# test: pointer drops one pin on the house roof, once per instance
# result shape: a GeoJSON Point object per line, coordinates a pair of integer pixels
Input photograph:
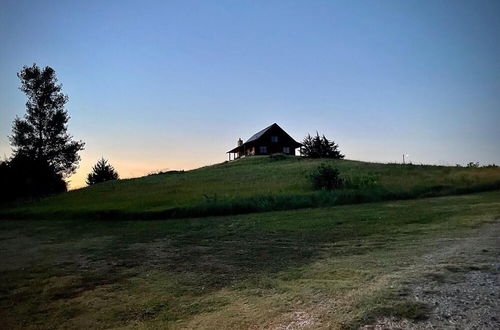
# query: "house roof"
{"type": "Point", "coordinates": [259, 134]}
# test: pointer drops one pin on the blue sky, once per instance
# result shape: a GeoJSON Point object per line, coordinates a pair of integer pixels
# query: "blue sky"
{"type": "Point", "coordinates": [157, 85]}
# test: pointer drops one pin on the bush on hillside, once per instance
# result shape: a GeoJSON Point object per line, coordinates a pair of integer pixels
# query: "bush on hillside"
{"type": "Point", "coordinates": [320, 147]}
{"type": "Point", "coordinates": [101, 172]}
{"type": "Point", "coordinates": [326, 177]}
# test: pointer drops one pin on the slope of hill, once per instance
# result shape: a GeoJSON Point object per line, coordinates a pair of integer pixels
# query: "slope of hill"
{"type": "Point", "coordinates": [255, 184]}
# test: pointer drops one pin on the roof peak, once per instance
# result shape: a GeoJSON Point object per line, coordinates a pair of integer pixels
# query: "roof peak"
{"type": "Point", "coordinates": [261, 132]}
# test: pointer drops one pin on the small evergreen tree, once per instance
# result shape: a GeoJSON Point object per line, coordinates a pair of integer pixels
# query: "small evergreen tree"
{"type": "Point", "coordinates": [102, 171]}
{"type": "Point", "coordinates": [320, 147]}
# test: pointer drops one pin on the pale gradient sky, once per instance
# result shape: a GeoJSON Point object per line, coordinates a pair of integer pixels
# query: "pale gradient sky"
{"type": "Point", "coordinates": [157, 85]}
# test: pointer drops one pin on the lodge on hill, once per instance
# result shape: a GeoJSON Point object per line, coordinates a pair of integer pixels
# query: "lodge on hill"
{"type": "Point", "coordinates": [272, 139]}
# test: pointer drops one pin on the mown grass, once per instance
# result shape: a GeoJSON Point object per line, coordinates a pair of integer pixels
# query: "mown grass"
{"type": "Point", "coordinates": [323, 267]}
{"type": "Point", "coordinates": [254, 184]}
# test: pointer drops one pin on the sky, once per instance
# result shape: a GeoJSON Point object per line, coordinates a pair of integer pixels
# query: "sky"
{"type": "Point", "coordinates": [163, 85]}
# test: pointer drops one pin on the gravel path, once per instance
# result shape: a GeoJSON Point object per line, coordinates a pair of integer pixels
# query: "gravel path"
{"type": "Point", "coordinates": [461, 283]}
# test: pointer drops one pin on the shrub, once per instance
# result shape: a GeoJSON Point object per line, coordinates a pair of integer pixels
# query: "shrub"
{"type": "Point", "coordinates": [473, 165]}
{"type": "Point", "coordinates": [165, 172]}
{"type": "Point", "coordinates": [320, 147]}
{"type": "Point", "coordinates": [326, 177]}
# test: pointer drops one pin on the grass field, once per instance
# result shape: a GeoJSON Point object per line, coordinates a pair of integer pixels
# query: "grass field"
{"type": "Point", "coordinates": [254, 184]}
{"type": "Point", "coordinates": [334, 267]}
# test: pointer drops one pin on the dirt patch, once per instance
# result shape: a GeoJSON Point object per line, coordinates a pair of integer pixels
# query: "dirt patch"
{"type": "Point", "coordinates": [298, 320]}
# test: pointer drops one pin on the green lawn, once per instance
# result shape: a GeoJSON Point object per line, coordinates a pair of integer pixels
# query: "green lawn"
{"type": "Point", "coordinates": [328, 267]}
{"type": "Point", "coordinates": [257, 184]}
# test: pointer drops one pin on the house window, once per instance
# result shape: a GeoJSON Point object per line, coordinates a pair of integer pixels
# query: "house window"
{"type": "Point", "coordinates": [274, 139]}
{"type": "Point", "coordinates": [286, 150]}
{"type": "Point", "coordinates": [263, 150]}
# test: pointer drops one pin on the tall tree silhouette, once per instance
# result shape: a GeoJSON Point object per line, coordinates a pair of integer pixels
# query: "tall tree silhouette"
{"type": "Point", "coordinates": [102, 171]}
{"type": "Point", "coordinates": [41, 134]}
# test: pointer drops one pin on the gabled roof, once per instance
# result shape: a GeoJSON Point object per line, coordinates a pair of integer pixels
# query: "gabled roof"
{"type": "Point", "coordinates": [259, 134]}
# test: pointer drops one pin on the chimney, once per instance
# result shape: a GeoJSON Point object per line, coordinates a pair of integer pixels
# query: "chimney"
{"type": "Point", "coordinates": [240, 142]}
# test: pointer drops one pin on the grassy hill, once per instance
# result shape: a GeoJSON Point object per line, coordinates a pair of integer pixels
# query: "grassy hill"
{"type": "Point", "coordinates": [255, 184]}
{"type": "Point", "coordinates": [328, 267]}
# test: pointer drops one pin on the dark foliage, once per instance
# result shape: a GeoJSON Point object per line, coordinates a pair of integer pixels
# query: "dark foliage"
{"type": "Point", "coordinates": [326, 177]}
{"type": "Point", "coordinates": [473, 165]}
{"type": "Point", "coordinates": [23, 178]}
{"type": "Point", "coordinates": [42, 135]}
{"type": "Point", "coordinates": [171, 172]}
{"type": "Point", "coordinates": [320, 147]}
{"type": "Point", "coordinates": [102, 171]}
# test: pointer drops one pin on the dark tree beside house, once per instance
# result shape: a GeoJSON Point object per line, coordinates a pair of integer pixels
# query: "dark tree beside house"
{"type": "Point", "coordinates": [320, 147]}
{"type": "Point", "coordinates": [42, 134]}
{"type": "Point", "coordinates": [102, 171]}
